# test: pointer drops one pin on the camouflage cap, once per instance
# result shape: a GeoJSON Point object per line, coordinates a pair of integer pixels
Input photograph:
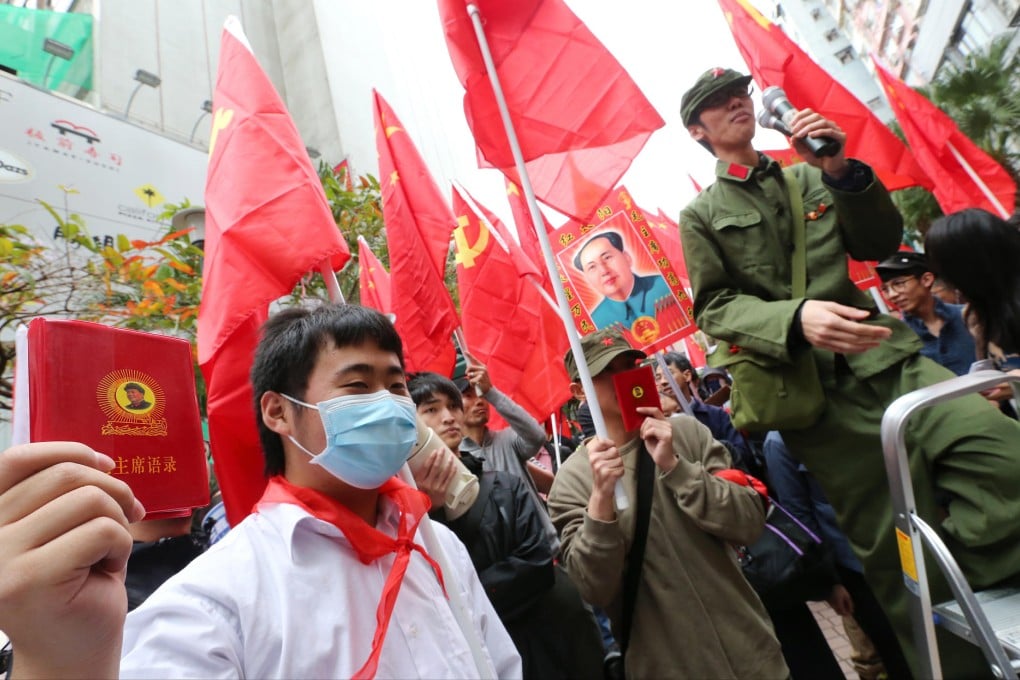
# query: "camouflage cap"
{"type": "Point", "coordinates": [710, 82]}
{"type": "Point", "coordinates": [600, 348]}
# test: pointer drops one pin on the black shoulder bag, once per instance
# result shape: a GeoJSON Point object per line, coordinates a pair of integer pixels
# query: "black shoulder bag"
{"type": "Point", "coordinates": [645, 479]}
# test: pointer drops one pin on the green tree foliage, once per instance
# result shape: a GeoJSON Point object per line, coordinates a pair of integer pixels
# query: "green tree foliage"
{"type": "Point", "coordinates": [980, 96]}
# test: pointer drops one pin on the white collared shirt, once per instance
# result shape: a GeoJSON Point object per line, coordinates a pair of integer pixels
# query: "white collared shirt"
{"type": "Point", "coordinates": [283, 595]}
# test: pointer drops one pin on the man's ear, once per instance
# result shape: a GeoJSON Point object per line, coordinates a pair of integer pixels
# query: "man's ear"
{"type": "Point", "coordinates": [696, 131]}
{"type": "Point", "coordinates": [927, 280]}
{"type": "Point", "coordinates": [277, 413]}
{"type": "Point", "coordinates": [577, 391]}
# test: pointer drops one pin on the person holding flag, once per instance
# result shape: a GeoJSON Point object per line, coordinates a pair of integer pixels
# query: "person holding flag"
{"type": "Point", "coordinates": [510, 449]}
{"type": "Point", "coordinates": [738, 236]}
{"type": "Point", "coordinates": [689, 612]}
{"type": "Point", "coordinates": [333, 526]}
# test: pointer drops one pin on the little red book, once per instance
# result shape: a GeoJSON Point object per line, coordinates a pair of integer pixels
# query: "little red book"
{"type": "Point", "coordinates": [125, 393]}
{"type": "Point", "coordinates": [635, 388]}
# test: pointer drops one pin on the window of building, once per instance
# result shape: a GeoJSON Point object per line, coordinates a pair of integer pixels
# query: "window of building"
{"type": "Point", "coordinates": [832, 34]}
{"type": "Point", "coordinates": [846, 55]}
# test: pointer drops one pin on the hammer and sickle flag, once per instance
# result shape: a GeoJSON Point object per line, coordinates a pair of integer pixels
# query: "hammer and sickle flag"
{"type": "Point", "coordinates": [268, 223]}
{"type": "Point", "coordinates": [507, 322]}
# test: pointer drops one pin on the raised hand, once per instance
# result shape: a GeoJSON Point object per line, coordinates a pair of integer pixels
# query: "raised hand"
{"type": "Point", "coordinates": [64, 546]}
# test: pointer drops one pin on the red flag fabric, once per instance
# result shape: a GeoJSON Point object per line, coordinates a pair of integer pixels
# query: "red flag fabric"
{"type": "Point", "coordinates": [579, 116]}
{"type": "Point", "coordinates": [343, 170]}
{"type": "Point", "coordinates": [418, 228]}
{"type": "Point", "coordinates": [774, 59]}
{"type": "Point", "coordinates": [268, 223]}
{"type": "Point", "coordinates": [934, 137]}
{"type": "Point", "coordinates": [785, 157]}
{"type": "Point", "coordinates": [695, 352]}
{"type": "Point", "coordinates": [694, 182]}
{"type": "Point", "coordinates": [669, 238]}
{"type": "Point", "coordinates": [508, 325]}
{"type": "Point", "coordinates": [373, 279]}
{"type": "Point", "coordinates": [863, 274]}
{"type": "Point", "coordinates": [526, 233]}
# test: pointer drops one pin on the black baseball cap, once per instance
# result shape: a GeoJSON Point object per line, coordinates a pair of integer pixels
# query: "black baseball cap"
{"type": "Point", "coordinates": [903, 262]}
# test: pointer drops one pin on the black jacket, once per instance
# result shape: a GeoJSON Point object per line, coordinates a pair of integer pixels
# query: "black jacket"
{"type": "Point", "coordinates": [505, 538]}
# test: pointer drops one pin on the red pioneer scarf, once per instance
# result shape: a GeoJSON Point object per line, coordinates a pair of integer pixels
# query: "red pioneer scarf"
{"type": "Point", "coordinates": [368, 542]}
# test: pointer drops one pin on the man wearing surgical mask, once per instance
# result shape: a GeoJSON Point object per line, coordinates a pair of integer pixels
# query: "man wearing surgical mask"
{"type": "Point", "coordinates": [327, 578]}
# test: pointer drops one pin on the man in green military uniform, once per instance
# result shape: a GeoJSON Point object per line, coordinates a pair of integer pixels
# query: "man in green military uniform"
{"type": "Point", "coordinates": [737, 238]}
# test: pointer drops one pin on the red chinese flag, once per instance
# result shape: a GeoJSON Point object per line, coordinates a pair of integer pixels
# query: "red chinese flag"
{"type": "Point", "coordinates": [774, 59]}
{"type": "Point", "coordinates": [373, 279]}
{"type": "Point", "coordinates": [508, 325]}
{"type": "Point", "coordinates": [418, 228]}
{"type": "Point", "coordinates": [579, 116]}
{"type": "Point", "coordinates": [945, 153]}
{"type": "Point", "coordinates": [267, 224]}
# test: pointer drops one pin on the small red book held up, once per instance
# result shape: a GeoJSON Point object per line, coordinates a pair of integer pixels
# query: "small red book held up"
{"type": "Point", "coordinates": [125, 393]}
{"type": "Point", "coordinates": [635, 388]}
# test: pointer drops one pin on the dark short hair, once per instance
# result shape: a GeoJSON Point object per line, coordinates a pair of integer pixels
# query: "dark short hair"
{"type": "Point", "coordinates": [290, 345]}
{"type": "Point", "coordinates": [611, 236]}
{"type": "Point", "coordinates": [678, 361]}
{"type": "Point", "coordinates": [134, 386]}
{"type": "Point", "coordinates": [425, 384]}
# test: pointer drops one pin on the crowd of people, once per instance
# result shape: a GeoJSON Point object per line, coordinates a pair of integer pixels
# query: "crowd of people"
{"type": "Point", "coordinates": [344, 570]}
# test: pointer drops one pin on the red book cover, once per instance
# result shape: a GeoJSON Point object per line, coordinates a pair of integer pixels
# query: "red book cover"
{"type": "Point", "coordinates": [125, 393]}
{"type": "Point", "coordinates": [635, 388]}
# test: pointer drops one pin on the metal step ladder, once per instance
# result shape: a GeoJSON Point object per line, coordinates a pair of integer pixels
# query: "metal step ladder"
{"type": "Point", "coordinates": [990, 619]}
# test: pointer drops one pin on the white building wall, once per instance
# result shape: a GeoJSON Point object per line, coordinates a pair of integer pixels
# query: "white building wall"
{"type": "Point", "coordinates": [808, 23]}
{"type": "Point", "coordinates": [179, 40]}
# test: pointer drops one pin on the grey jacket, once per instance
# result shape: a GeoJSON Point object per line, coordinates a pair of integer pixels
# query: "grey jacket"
{"type": "Point", "coordinates": [509, 449]}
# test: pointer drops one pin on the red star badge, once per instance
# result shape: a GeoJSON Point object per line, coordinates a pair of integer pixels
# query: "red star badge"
{"type": "Point", "coordinates": [716, 72]}
{"type": "Point", "coordinates": [608, 342]}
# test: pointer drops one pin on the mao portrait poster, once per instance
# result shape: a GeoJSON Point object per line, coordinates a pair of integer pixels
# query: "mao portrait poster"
{"type": "Point", "coordinates": [125, 393]}
{"type": "Point", "coordinates": [615, 273]}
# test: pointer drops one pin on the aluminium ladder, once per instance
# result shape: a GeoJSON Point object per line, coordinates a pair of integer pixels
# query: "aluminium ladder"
{"type": "Point", "coordinates": [989, 619]}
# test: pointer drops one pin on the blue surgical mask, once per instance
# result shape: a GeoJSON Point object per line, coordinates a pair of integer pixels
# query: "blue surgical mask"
{"type": "Point", "coordinates": [368, 436]}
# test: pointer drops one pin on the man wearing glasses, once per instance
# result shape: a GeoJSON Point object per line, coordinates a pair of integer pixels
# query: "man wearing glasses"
{"type": "Point", "coordinates": [910, 285]}
{"type": "Point", "coordinates": [738, 240]}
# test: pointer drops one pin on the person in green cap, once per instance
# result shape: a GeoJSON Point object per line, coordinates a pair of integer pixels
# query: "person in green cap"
{"type": "Point", "coordinates": [694, 615]}
{"type": "Point", "coordinates": [737, 237]}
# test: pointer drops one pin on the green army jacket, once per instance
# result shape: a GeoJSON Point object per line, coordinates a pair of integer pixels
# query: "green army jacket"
{"type": "Point", "coordinates": [737, 240]}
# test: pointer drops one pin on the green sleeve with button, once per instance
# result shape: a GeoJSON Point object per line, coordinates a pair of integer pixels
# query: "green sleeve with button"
{"type": "Point", "coordinates": [738, 242]}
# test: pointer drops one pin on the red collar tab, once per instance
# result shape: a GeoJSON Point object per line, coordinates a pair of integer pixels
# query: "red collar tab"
{"type": "Point", "coordinates": [739, 171]}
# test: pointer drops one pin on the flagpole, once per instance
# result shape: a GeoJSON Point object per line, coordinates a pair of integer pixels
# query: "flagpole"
{"type": "Point", "coordinates": [622, 502]}
{"type": "Point", "coordinates": [458, 337]}
{"type": "Point", "coordinates": [336, 296]}
{"type": "Point", "coordinates": [556, 439]}
{"type": "Point", "coordinates": [992, 198]}
{"type": "Point", "coordinates": [452, 581]}
{"type": "Point", "coordinates": [877, 297]}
